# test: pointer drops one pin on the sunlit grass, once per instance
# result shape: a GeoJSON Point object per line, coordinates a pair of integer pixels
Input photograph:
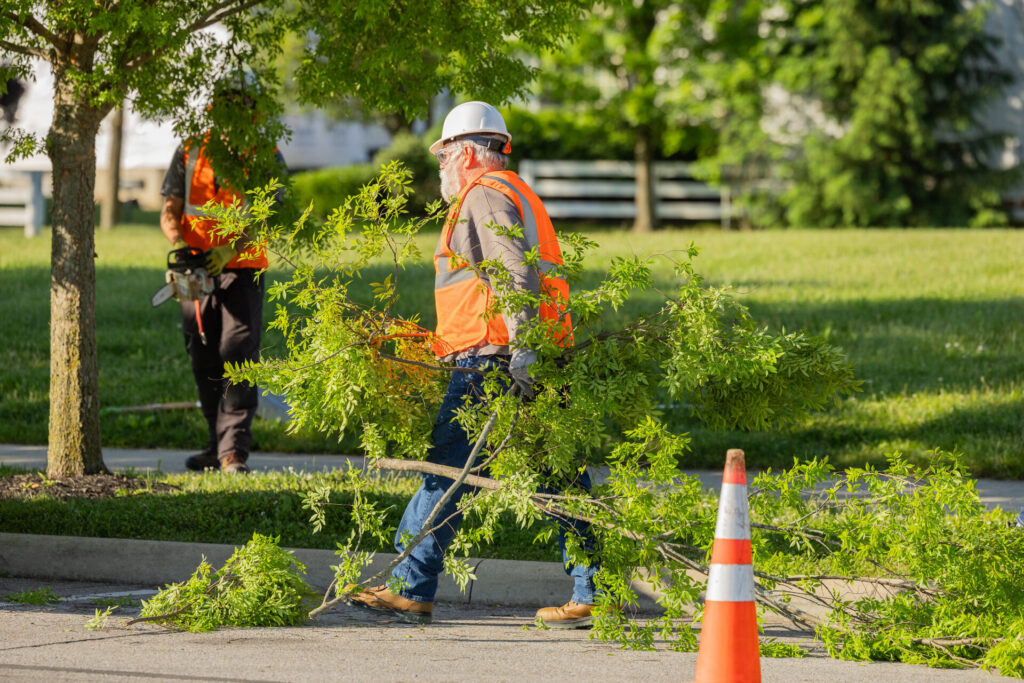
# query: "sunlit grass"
{"type": "Point", "coordinates": [931, 320]}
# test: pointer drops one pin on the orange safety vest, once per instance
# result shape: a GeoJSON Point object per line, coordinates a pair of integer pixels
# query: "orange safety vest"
{"type": "Point", "coordinates": [462, 298]}
{"type": "Point", "coordinates": [196, 228]}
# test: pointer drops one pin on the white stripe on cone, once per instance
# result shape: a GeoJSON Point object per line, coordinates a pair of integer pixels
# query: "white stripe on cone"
{"type": "Point", "coordinates": [733, 518]}
{"type": "Point", "coordinates": [730, 583]}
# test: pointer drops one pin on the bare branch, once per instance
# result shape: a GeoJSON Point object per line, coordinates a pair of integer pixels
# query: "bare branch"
{"type": "Point", "coordinates": [428, 366]}
{"type": "Point", "coordinates": [504, 443]}
{"type": "Point", "coordinates": [494, 485]}
{"type": "Point", "coordinates": [24, 50]}
{"type": "Point", "coordinates": [428, 524]}
{"type": "Point", "coordinates": [37, 27]}
{"type": "Point", "coordinates": [440, 470]}
{"type": "Point", "coordinates": [954, 642]}
{"type": "Point", "coordinates": [214, 15]}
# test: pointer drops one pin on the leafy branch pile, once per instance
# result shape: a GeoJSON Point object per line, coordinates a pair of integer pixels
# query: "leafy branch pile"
{"type": "Point", "coordinates": [260, 585]}
{"type": "Point", "coordinates": [352, 361]}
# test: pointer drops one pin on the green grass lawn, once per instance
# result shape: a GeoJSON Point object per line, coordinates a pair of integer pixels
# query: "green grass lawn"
{"type": "Point", "coordinates": [930, 319]}
{"type": "Point", "coordinates": [219, 508]}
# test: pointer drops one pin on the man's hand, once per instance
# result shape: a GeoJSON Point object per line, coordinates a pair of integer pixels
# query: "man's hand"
{"type": "Point", "coordinates": [218, 257]}
{"type": "Point", "coordinates": [519, 368]}
{"type": "Point", "coordinates": [178, 244]}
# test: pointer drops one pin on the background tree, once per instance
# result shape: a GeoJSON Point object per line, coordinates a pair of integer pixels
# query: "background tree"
{"type": "Point", "coordinates": [159, 57]}
{"type": "Point", "coordinates": [862, 113]}
{"type": "Point", "coordinates": [633, 66]}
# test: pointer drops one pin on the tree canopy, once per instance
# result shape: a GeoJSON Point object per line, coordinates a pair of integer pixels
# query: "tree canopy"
{"type": "Point", "coordinates": [167, 58]}
{"type": "Point", "coordinates": [860, 113]}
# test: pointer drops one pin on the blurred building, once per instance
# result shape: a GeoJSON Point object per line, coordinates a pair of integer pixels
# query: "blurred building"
{"type": "Point", "coordinates": [147, 146]}
{"type": "Point", "coordinates": [1006, 22]}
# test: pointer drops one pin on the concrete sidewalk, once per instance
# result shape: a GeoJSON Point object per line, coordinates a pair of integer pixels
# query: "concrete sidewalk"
{"type": "Point", "coordinates": [167, 460]}
{"type": "Point", "coordinates": [464, 643]}
{"type": "Point", "coordinates": [1006, 494]}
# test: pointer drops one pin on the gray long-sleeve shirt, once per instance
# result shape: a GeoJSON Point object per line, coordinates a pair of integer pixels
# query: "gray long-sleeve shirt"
{"type": "Point", "coordinates": [474, 239]}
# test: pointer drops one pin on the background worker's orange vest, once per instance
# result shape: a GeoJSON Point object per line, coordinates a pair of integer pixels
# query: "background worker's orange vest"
{"type": "Point", "coordinates": [197, 230]}
{"type": "Point", "coordinates": [461, 297]}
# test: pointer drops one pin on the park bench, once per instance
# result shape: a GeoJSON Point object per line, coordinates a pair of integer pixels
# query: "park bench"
{"type": "Point", "coordinates": [606, 190]}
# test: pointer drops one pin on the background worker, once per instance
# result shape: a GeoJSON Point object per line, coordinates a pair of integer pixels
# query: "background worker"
{"type": "Point", "coordinates": [232, 315]}
{"type": "Point", "coordinates": [472, 154]}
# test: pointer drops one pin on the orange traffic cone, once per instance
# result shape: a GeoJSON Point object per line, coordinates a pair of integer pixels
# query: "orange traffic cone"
{"type": "Point", "coordinates": [728, 636]}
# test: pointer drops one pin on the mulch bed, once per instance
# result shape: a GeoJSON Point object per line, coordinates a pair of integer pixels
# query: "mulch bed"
{"type": "Point", "coordinates": [91, 486]}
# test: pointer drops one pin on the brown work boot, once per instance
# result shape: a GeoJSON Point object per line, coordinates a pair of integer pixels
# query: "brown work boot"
{"type": "Point", "coordinates": [570, 615]}
{"type": "Point", "coordinates": [207, 459]}
{"type": "Point", "coordinates": [380, 599]}
{"type": "Point", "coordinates": [232, 463]}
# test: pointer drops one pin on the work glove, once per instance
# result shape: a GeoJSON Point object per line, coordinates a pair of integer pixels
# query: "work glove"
{"type": "Point", "coordinates": [519, 368]}
{"type": "Point", "coordinates": [178, 244]}
{"type": "Point", "coordinates": [218, 257]}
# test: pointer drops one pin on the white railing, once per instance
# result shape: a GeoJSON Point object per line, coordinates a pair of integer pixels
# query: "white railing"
{"type": "Point", "coordinates": [21, 196]}
{"type": "Point", "coordinates": [607, 189]}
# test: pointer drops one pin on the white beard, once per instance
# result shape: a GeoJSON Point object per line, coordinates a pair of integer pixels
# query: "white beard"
{"type": "Point", "coordinates": [449, 182]}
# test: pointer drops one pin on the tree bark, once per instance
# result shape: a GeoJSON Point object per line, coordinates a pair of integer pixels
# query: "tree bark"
{"type": "Point", "coordinates": [646, 201]}
{"type": "Point", "coordinates": [110, 213]}
{"type": "Point", "coordinates": [74, 440]}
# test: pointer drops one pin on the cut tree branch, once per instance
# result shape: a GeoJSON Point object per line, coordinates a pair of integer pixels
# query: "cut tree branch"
{"type": "Point", "coordinates": [428, 524]}
{"type": "Point", "coordinates": [428, 366]}
{"type": "Point", "coordinates": [440, 470]}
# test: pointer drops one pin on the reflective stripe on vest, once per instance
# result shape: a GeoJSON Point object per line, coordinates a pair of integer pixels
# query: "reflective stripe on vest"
{"type": "Point", "coordinates": [200, 188]}
{"type": "Point", "coordinates": [462, 298]}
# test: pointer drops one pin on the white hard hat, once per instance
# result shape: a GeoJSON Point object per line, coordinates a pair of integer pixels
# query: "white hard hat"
{"type": "Point", "coordinates": [473, 118]}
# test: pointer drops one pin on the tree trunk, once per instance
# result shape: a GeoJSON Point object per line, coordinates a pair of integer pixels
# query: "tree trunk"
{"type": "Point", "coordinates": [74, 447]}
{"type": "Point", "coordinates": [110, 213]}
{"type": "Point", "coordinates": [646, 201]}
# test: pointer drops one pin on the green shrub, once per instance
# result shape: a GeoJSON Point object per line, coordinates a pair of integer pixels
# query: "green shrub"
{"type": "Point", "coordinates": [414, 153]}
{"type": "Point", "coordinates": [551, 134]}
{"type": "Point", "coordinates": [327, 188]}
{"type": "Point", "coordinates": [555, 134]}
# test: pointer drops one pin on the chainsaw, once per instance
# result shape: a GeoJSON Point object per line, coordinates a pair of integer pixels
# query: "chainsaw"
{"type": "Point", "coordinates": [187, 280]}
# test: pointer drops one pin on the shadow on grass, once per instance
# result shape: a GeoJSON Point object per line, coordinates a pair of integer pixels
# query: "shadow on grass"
{"type": "Point", "coordinates": [989, 438]}
{"type": "Point", "coordinates": [904, 349]}
{"type": "Point", "coordinates": [920, 344]}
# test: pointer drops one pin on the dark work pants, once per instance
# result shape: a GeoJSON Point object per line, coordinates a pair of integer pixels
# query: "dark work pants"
{"type": "Point", "coordinates": [232, 320]}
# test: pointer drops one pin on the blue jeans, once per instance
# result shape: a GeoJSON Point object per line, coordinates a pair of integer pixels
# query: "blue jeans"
{"type": "Point", "coordinates": [451, 447]}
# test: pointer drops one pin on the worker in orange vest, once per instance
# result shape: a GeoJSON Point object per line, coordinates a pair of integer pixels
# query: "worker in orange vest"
{"type": "Point", "coordinates": [472, 154]}
{"type": "Point", "coordinates": [232, 315]}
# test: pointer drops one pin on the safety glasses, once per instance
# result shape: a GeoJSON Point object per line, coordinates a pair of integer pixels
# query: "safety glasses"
{"type": "Point", "coordinates": [447, 153]}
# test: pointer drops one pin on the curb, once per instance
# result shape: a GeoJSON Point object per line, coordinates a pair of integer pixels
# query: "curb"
{"type": "Point", "coordinates": [113, 560]}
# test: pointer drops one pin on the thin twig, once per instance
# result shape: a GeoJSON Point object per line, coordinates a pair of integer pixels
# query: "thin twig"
{"type": "Point", "coordinates": [440, 470]}
{"type": "Point", "coordinates": [442, 368]}
{"type": "Point", "coordinates": [427, 527]}
{"type": "Point", "coordinates": [25, 50]}
{"type": "Point", "coordinates": [504, 443]}
{"type": "Point", "coordinates": [37, 27]}
{"type": "Point", "coordinates": [212, 16]}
